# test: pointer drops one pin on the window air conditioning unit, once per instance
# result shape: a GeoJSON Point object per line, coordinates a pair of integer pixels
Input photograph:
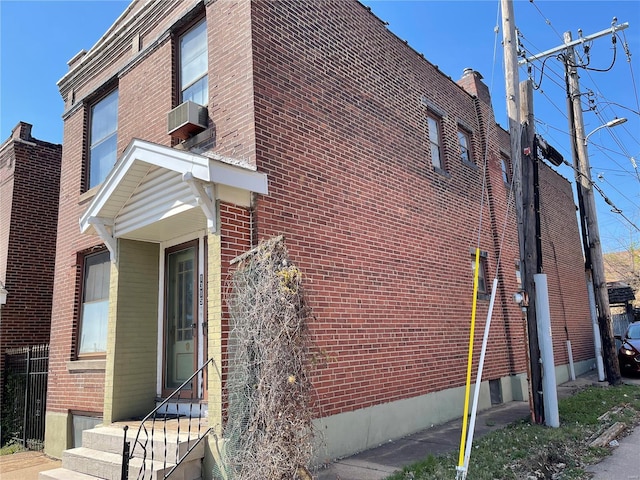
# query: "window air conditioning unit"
{"type": "Point", "coordinates": [187, 119]}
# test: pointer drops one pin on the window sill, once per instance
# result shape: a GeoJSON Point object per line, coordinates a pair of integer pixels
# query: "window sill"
{"type": "Point", "coordinates": [442, 172]}
{"type": "Point", "coordinates": [470, 164]}
{"type": "Point", "coordinates": [97, 365]}
{"type": "Point", "coordinates": [88, 195]}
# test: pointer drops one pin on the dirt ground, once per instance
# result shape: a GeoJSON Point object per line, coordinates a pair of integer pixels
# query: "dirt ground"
{"type": "Point", "coordinates": [25, 465]}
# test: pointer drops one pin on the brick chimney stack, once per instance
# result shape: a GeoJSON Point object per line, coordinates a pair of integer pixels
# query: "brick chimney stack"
{"type": "Point", "coordinates": [22, 131]}
{"type": "Point", "coordinates": [472, 82]}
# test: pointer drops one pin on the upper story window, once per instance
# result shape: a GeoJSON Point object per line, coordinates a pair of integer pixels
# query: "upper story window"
{"type": "Point", "coordinates": [464, 141]}
{"type": "Point", "coordinates": [194, 85]}
{"type": "Point", "coordinates": [506, 171]}
{"type": "Point", "coordinates": [95, 303]}
{"type": "Point", "coordinates": [104, 138]}
{"type": "Point", "coordinates": [435, 141]}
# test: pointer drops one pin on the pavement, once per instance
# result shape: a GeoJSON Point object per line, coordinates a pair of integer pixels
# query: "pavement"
{"type": "Point", "coordinates": [26, 465]}
{"type": "Point", "coordinates": [380, 462]}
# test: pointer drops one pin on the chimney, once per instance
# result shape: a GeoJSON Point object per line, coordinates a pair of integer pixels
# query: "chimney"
{"type": "Point", "coordinates": [472, 82]}
{"type": "Point", "coordinates": [22, 131]}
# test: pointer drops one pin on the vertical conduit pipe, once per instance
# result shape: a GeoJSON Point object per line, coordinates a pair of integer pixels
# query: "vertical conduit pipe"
{"type": "Point", "coordinates": [543, 314]}
{"type": "Point", "coordinates": [476, 391]}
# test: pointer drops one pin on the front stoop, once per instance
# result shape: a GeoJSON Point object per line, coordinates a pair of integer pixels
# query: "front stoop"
{"type": "Point", "coordinates": [100, 457]}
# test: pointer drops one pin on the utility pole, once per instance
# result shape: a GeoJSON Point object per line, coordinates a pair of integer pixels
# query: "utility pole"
{"type": "Point", "coordinates": [531, 255]}
{"type": "Point", "coordinates": [526, 240]}
{"type": "Point", "coordinates": [594, 264]}
{"type": "Point", "coordinates": [536, 280]}
{"type": "Point", "coordinates": [594, 267]}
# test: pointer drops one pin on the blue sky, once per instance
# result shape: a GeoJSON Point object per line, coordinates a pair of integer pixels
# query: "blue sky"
{"type": "Point", "coordinates": [37, 38]}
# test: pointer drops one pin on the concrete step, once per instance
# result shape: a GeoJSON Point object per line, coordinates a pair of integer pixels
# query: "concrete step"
{"type": "Point", "coordinates": [109, 439]}
{"type": "Point", "coordinates": [63, 474]}
{"type": "Point", "coordinates": [108, 466]}
{"type": "Point", "coordinates": [192, 471]}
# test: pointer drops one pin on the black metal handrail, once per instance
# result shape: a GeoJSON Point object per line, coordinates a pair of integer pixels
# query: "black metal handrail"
{"type": "Point", "coordinates": [199, 435]}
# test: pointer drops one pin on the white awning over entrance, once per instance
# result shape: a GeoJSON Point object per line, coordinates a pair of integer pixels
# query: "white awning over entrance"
{"type": "Point", "coordinates": [155, 193]}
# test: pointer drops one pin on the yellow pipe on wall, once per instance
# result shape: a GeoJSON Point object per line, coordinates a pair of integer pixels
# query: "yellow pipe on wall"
{"type": "Point", "coordinates": [465, 417]}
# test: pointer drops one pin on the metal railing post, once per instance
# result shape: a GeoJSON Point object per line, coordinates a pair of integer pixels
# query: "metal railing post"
{"type": "Point", "coordinates": [124, 475]}
{"type": "Point", "coordinates": [27, 391]}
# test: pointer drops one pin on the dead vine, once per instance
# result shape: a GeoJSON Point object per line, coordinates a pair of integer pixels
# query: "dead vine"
{"type": "Point", "coordinates": [268, 433]}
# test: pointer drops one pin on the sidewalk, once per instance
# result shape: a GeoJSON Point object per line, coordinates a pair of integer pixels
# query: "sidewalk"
{"type": "Point", "coordinates": [623, 463]}
{"type": "Point", "coordinates": [25, 465]}
{"type": "Point", "coordinates": [380, 462]}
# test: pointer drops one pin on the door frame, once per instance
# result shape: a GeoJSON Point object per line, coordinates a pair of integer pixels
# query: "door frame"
{"type": "Point", "coordinates": [199, 240]}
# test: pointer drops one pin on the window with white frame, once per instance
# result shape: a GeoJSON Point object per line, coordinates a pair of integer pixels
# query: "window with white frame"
{"type": "Point", "coordinates": [464, 141]}
{"type": "Point", "coordinates": [506, 171]}
{"type": "Point", "coordinates": [95, 304]}
{"type": "Point", "coordinates": [194, 85]}
{"type": "Point", "coordinates": [103, 137]}
{"type": "Point", "coordinates": [435, 141]}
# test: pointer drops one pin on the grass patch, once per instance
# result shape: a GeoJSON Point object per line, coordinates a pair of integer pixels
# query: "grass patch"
{"type": "Point", "coordinates": [10, 449]}
{"type": "Point", "coordinates": [526, 451]}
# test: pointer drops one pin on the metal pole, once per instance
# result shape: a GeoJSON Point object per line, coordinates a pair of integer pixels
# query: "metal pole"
{"type": "Point", "coordinates": [550, 397]}
{"type": "Point", "coordinates": [27, 395]}
{"type": "Point", "coordinates": [476, 391]}
{"type": "Point", "coordinates": [597, 342]}
{"type": "Point", "coordinates": [124, 473]}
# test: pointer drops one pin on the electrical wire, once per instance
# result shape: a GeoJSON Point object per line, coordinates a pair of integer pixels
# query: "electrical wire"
{"type": "Point", "coordinates": [546, 20]}
{"type": "Point", "coordinates": [615, 209]}
{"type": "Point", "coordinates": [602, 178]}
{"type": "Point", "coordinates": [627, 51]}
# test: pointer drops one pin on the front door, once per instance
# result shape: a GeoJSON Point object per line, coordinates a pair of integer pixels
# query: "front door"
{"type": "Point", "coordinates": [180, 315]}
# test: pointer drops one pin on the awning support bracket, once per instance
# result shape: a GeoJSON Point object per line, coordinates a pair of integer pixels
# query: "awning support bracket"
{"type": "Point", "coordinates": [205, 199]}
{"type": "Point", "coordinates": [104, 227]}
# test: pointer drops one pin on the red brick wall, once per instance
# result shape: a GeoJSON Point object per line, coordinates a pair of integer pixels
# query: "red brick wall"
{"type": "Point", "coordinates": [382, 238]}
{"type": "Point", "coordinates": [76, 391]}
{"type": "Point", "coordinates": [146, 94]}
{"type": "Point", "coordinates": [326, 101]}
{"type": "Point", "coordinates": [29, 221]}
{"type": "Point", "coordinates": [564, 265]}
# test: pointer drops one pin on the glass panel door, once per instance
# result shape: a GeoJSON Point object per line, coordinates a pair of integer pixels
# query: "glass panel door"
{"type": "Point", "coordinates": [181, 316]}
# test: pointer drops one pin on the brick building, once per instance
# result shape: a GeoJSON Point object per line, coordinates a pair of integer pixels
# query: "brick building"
{"type": "Point", "coordinates": [29, 189]}
{"type": "Point", "coordinates": [319, 124]}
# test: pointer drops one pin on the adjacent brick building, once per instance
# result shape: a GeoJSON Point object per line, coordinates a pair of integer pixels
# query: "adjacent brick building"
{"type": "Point", "coordinates": [29, 189]}
{"type": "Point", "coordinates": [322, 126]}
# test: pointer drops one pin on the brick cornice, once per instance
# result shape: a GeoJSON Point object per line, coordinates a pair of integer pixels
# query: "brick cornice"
{"type": "Point", "coordinates": [118, 40]}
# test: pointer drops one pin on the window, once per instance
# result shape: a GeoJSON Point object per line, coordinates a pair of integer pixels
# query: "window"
{"type": "Point", "coordinates": [95, 304]}
{"type": "Point", "coordinates": [104, 138]}
{"type": "Point", "coordinates": [482, 272]}
{"type": "Point", "coordinates": [433, 124]}
{"type": "Point", "coordinates": [465, 146]}
{"type": "Point", "coordinates": [504, 165]}
{"type": "Point", "coordinates": [194, 85]}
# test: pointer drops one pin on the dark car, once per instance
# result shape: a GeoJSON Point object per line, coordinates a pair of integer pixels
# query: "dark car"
{"type": "Point", "coordinates": [629, 353]}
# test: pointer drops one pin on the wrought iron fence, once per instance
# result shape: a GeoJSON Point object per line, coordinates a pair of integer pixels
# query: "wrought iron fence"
{"type": "Point", "coordinates": [25, 395]}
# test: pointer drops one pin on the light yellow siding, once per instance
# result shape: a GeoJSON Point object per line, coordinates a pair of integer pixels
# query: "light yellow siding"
{"type": "Point", "coordinates": [130, 383]}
